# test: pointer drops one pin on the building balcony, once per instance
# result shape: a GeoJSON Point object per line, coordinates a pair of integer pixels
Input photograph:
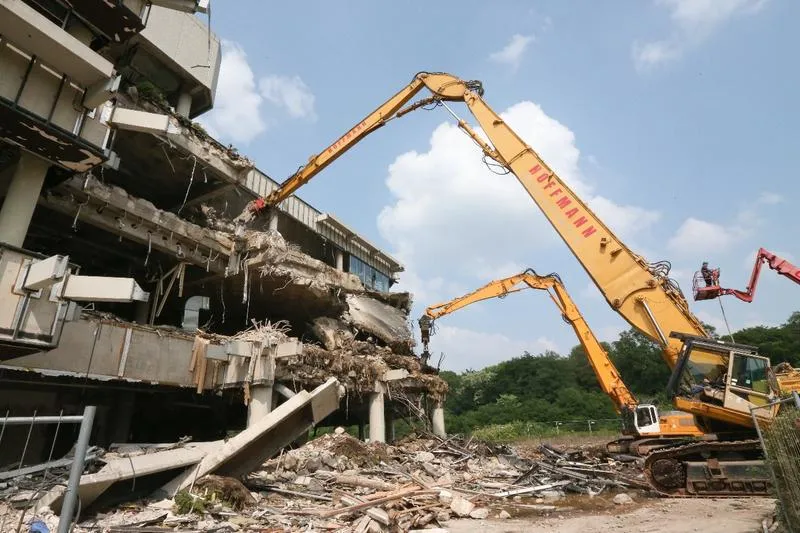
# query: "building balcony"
{"type": "Point", "coordinates": [41, 111]}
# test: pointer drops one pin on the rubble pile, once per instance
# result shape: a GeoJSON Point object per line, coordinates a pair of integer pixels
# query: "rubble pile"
{"type": "Point", "coordinates": [357, 365]}
{"type": "Point", "coordinates": [337, 482]}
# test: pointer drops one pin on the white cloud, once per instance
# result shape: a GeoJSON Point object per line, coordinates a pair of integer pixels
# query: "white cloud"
{"type": "Point", "coordinates": [713, 319]}
{"type": "Point", "coordinates": [465, 348]}
{"type": "Point", "coordinates": [237, 106]}
{"type": "Point", "coordinates": [453, 217]}
{"type": "Point", "coordinates": [289, 93]}
{"type": "Point", "coordinates": [769, 198]}
{"type": "Point", "coordinates": [697, 236]}
{"type": "Point", "coordinates": [455, 225]}
{"type": "Point", "coordinates": [512, 53]}
{"type": "Point", "coordinates": [591, 292]}
{"type": "Point", "coordinates": [693, 21]}
{"type": "Point", "coordinates": [610, 333]}
{"type": "Point", "coordinates": [496, 270]}
{"type": "Point", "coordinates": [654, 53]}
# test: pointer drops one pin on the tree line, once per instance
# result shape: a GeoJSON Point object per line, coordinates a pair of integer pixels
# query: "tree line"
{"type": "Point", "coordinates": [549, 386]}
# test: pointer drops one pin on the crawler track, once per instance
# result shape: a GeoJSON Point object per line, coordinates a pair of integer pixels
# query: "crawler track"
{"type": "Point", "coordinates": [713, 468]}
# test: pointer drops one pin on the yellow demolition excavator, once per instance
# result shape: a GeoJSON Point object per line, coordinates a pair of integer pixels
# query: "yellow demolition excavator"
{"type": "Point", "coordinates": [643, 427]}
{"type": "Point", "coordinates": [717, 381]}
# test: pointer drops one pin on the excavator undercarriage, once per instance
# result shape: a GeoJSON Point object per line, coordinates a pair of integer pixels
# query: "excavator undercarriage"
{"type": "Point", "coordinates": [721, 468]}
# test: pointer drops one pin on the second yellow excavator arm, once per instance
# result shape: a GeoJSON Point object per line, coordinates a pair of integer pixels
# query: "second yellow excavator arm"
{"type": "Point", "coordinates": [640, 292]}
{"type": "Point", "coordinates": [607, 374]}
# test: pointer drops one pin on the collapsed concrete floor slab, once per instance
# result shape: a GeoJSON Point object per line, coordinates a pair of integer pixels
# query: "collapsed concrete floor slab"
{"type": "Point", "coordinates": [234, 457]}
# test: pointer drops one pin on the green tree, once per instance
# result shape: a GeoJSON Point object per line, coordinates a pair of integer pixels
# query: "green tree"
{"type": "Point", "coordinates": [547, 387]}
{"type": "Point", "coordinates": [640, 363]}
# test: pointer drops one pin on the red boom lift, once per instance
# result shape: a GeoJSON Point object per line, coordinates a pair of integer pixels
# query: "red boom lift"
{"type": "Point", "coordinates": [707, 287]}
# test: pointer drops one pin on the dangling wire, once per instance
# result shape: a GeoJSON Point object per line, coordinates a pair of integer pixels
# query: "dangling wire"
{"type": "Point", "coordinates": [726, 319]}
{"type": "Point", "coordinates": [495, 167]}
{"type": "Point", "coordinates": [188, 187]}
{"type": "Point", "coordinates": [149, 246]}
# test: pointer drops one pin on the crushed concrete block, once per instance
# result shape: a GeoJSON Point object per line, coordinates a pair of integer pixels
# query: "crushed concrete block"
{"type": "Point", "coordinates": [461, 506]}
{"type": "Point", "coordinates": [332, 333]}
{"type": "Point", "coordinates": [551, 495]}
{"type": "Point", "coordinates": [424, 457]}
{"type": "Point", "coordinates": [289, 348]}
{"type": "Point", "coordinates": [622, 499]}
{"type": "Point", "coordinates": [503, 515]}
{"type": "Point", "coordinates": [289, 462]}
{"type": "Point", "coordinates": [395, 374]}
{"type": "Point", "coordinates": [481, 513]}
{"type": "Point", "coordinates": [384, 321]}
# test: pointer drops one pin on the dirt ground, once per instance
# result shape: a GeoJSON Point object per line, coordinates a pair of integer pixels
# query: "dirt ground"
{"type": "Point", "coordinates": [706, 515]}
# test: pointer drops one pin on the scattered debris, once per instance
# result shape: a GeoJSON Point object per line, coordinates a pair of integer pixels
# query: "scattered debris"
{"type": "Point", "coordinates": [337, 482]}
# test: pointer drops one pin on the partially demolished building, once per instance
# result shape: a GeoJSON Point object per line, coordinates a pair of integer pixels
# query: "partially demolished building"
{"type": "Point", "coordinates": [122, 284]}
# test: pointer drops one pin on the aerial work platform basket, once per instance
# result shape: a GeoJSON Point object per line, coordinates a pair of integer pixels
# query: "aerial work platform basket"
{"type": "Point", "coordinates": [702, 289]}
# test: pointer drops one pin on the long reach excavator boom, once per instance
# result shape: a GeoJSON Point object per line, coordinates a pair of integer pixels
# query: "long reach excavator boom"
{"type": "Point", "coordinates": [644, 427]}
{"type": "Point", "coordinates": [718, 382]}
{"type": "Point", "coordinates": [639, 291]}
{"type": "Point", "coordinates": [607, 375]}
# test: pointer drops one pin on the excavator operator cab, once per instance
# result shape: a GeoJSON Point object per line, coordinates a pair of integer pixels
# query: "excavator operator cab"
{"type": "Point", "coordinates": [705, 284]}
{"type": "Point", "coordinates": [646, 420]}
{"type": "Point", "coordinates": [723, 375]}
{"type": "Point", "coordinates": [642, 419]}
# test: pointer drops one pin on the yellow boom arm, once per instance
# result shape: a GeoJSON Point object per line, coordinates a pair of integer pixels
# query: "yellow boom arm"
{"type": "Point", "coordinates": [638, 291]}
{"type": "Point", "coordinates": [607, 374]}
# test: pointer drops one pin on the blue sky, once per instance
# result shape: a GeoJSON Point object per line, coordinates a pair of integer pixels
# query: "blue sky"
{"type": "Point", "coordinates": [675, 119]}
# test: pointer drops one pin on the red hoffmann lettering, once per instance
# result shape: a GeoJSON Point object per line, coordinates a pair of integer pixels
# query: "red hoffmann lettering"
{"type": "Point", "coordinates": [347, 136]}
{"type": "Point", "coordinates": [562, 202]}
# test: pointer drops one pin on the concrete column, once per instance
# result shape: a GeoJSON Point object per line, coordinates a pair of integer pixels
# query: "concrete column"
{"type": "Point", "coordinates": [184, 106]}
{"type": "Point", "coordinates": [339, 261]}
{"type": "Point", "coordinates": [438, 420]}
{"type": "Point", "coordinates": [260, 403]}
{"type": "Point", "coordinates": [21, 199]}
{"type": "Point", "coordinates": [122, 416]}
{"type": "Point", "coordinates": [141, 312]}
{"type": "Point", "coordinates": [273, 222]}
{"type": "Point", "coordinates": [377, 423]}
{"type": "Point", "coordinates": [392, 427]}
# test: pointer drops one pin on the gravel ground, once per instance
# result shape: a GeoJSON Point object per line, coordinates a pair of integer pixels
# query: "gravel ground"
{"type": "Point", "coordinates": [706, 515]}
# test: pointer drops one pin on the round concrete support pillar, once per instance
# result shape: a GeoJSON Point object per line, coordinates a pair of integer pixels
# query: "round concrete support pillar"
{"type": "Point", "coordinates": [184, 104]}
{"type": "Point", "coordinates": [273, 222]}
{"type": "Point", "coordinates": [339, 261]}
{"type": "Point", "coordinates": [260, 403]}
{"type": "Point", "coordinates": [437, 420]}
{"type": "Point", "coordinates": [21, 199]}
{"type": "Point", "coordinates": [141, 312]}
{"type": "Point", "coordinates": [392, 427]}
{"type": "Point", "coordinates": [377, 422]}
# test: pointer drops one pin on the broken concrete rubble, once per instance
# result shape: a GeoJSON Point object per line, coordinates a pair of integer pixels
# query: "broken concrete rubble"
{"type": "Point", "coordinates": [234, 457]}
{"type": "Point", "coordinates": [386, 322]}
{"type": "Point", "coordinates": [336, 482]}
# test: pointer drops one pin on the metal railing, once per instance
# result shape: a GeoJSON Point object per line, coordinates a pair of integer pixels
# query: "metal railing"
{"type": "Point", "coordinates": [780, 442]}
{"type": "Point", "coordinates": [76, 463]}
